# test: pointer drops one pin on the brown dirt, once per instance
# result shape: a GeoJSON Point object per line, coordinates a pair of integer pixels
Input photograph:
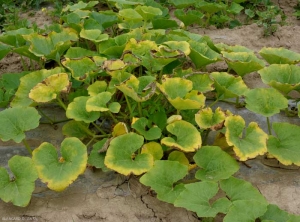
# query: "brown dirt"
{"type": "Point", "coordinates": [98, 196]}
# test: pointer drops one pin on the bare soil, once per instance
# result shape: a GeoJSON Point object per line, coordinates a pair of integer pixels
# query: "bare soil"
{"type": "Point", "coordinates": [98, 196]}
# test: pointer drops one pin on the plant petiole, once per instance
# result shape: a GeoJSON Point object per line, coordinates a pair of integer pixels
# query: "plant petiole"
{"type": "Point", "coordinates": [269, 126]}
{"type": "Point", "coordinates": [27, 146]}
{"type": "Point", "coordinates": [99, 129]}
{"type": "Point", "coordinates": [112, 116]}
{"type": "Point", "coordinates": [61, 103]}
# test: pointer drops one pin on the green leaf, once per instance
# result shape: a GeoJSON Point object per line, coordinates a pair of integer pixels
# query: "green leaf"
{"type": "Point", "coordinates": [52, 45]}
{"type": "Point", "coordinates": [205, 118]}
{"type": "Point", "coordinates": [140, 125]}
{"type": "Point", "coordinates": [190, 17]}
{"type": "Point", "coordinates": [4, 50]}
{"type": "Point", "coordinates": [77, 110]}
{"type": "Point", "coordinates": [161, 178]}
{"type": "Point", "coordinates": [284, 78]}
{"type": "Point", "coordinates": [15, 121]}
{"type": "Point", "coordinates": [76, 129]}
{"type": "Point", "coordinates": [140, 89]}
{"type": "Point", "coordinates": [119, 156]}
{"type": "Point", "coordinates": [243, 62]}
{"type": "Point", "coordinates": [148, 12]}
{"type": "Point", "coordinates": [97, 87]}
{"type": "Point", "coordinates": [228, 86]}
{"type": "Point", "coordinates": [188, 138]}
{"type": "Point", "coordinates": [247, 202]}
{"type": "Point", "coordinates": [279, 56]}
{"type": "Point", "coordinates": [202, 55]}
{"type": "Point", "coordinates": [285, 146]}
{"type": "Point", "coordinates": [80, 68]}
{"type": "Point", "coordinates": [94, 35]}
{"type": "Point", "coordinates": [49, 88]}
{"type": "Point", "coordinates": [210, 8]}
{"type": "Point", "coordinates": [274, 213]}
{"type": "Point", "coordinates": [79, 53]}
{"type": "Point", "coordinates": [233, 48]}
{"type": "Point", "coordinates": [154, 149]}
{"type": "Point", "coordinates": [98, 102]}
{"type": "Point", "coordinates": [18, 190]}
{"type": "Point", "coordinates": [215, 164]}
{"type": "Point", "coordinates": [11, 80]}
{"type": "Point", "coordinates": [28, 82]}
{"type": "Point", "coordinates": [182, 4]}
{"type": "Point", "coordinates": [246, 144]}
{"type": "Point", "coordinates": [235, 8]}
{"type": "Point", "coordinates": [96, 159]}
{"type": "Point", "coordinates": [60, 172]}
{"type": "Point", "coordinates": [201, 82]}
{"type": "Point", "coordinates": [162, 23]}
{"type": "Point", "coordinates": [130, 14]}
{"type": "Point", "coordinates": [265, 101]}
{"type": "Point", "coordinates": [196, 197]}
{"type": "Point", "coordinates": [180, 94]}
{"type": "Point", "coordinates": [105, 18]}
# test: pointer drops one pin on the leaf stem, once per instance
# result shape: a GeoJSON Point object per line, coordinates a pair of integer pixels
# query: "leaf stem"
{"type": "Point", "coordinates": [213, 103]}
{"type": "Point", "coordinates": [98, 128]}
{"type": "Point", "coordinates": [44, 115]}
{"type": "Point", "coordinates": [128, 104]}
{"type": "Point", "coordinates": [205, 137]}
{"type": "Point", "coordinates": [269, 126]}
{"type": "Point", "coordinates": [140, 109]}
{"type": "Point", "coordinates": [112, 116]}
{"type": "Point", "coordinates": [61, 103]}
{"type": "Point", "coordinates": [27, 146]}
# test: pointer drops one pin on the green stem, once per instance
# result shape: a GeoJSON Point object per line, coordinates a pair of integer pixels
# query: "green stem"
{"type": "Point", "coordinates": [269, 126]}
{"type": "Point", "coordinates": [44, 115]}
{"type": "Point", "coordinates": [99, 129]}
{"type": "Point", "coordinates": [89, 132]}
{"type": "Point", "coordinates": [129, 106]}
{"type": "Point", "coordinates": [27, 146]}
{"type": "Point", "coordinates": [91, 140]}
{"type": "Point", "coordinates": [205, 137]}
{"type": "Point", "coordinates": [178, 112]}
{"type": "Point", "coordinates": [61, 103]}
{"type": "Point", "coordinates": [140, 109]}
{"type": "Point", "coordinates": [213, 103]}
{"type": "Point", "coordinates": [55, 122]}
{"type": "Point", "coordinates": [25, 67]}
{"type": "Point", "coordinates": [102, 136]}
{"type": "Point", "coordinates": [237, 101]}
{"type": "Point", "coordinates": [112, 116]}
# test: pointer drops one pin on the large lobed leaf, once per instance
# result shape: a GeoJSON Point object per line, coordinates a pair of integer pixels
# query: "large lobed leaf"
{"type": "Point", "coordinates": [19, 189]}
{"type": "Point", "coordinates": [248, 144]}
{"type": "Point", "coordinates": [60, 172]}
{"type": "Point", "coordinates": [15, 121]}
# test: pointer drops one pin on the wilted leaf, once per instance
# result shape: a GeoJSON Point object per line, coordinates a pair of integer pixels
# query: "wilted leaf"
{"type": "Point", "coordinates": [119, 129]}
{"type": "Point", "coordinates": [285, 146]}
{"type": "Point", "coordinates": [284, 78]}
{"type": "Point", "coordinates": [215, 164]}
{"type": "Point", "coordinates": [19, 189]}
{"type": "Point", "coordinates": [77, 110]}
{"type": "Point", "coordinates": [60, 172]}
{"type": "Point", "coordinates": [265, 101]}
{"type": "Point", "coordinates": [119, 156]}
{"type": "Point", "coordinates": [201, 82]}
{"type": "Point", "coordinates": [188, 138]}
{"type": "Point", "coordinates": [228, 86]}
{"type": "Point", "coordinates": [243, 62]}
{"type": "Point", "coordinates": [248, 144]}
{"type": "Point", "coordinates": [196, 197]}
{"type": "Point", "coordinates": [202, 55]}
{"type": "Point", "coordinates": [28, 82]}
{"type": "Point", "coordinates": [49, 88]}
{"type": "Point", "coordinates": [15, 121]}
{"type": "Point", "coordinates": [205, 118]}
{"type": "Point", "coordinates": [279, 56]}
{"type": "Point", "coordinates": [161, 178]}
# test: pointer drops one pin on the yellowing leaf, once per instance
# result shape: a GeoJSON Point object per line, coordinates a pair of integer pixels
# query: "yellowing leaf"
{"type": "Point", "coordinates": [205, 118]}
{"type": "Point", "coordinates": [248, 144]}
{"type": "Point", "coordinates": [188, 138]}
{"type": "Point", "coordinates": [49, 88]}
{"type": "Point", "coordinates": [119, 156]}
{"type": "Point", "coordinates": [154, 149]}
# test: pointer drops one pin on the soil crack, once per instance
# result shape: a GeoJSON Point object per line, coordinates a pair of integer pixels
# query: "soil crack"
{"type": "Point", "coordinates": [147, 205]}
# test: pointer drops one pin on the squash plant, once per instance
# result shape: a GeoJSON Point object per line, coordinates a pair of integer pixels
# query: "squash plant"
{"type": "Point", "coordinates": [151, 87]}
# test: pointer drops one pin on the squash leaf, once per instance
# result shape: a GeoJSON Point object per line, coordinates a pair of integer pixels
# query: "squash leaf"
{"type": "Point", "coordinates": [154, 149]}
{"type": "Point", "coordinates": [19, 189]}
{"type": "Point", "coordinates": [161, 178]}
{"type": "Point", "coordinates": [285, 146]}
{"type": "Point", "coordinates": [215, 164]}
{"type": "Point", "coordinates": [188, 138]}
{"type": "Point", "coordinates": [140, 126]}
{"type": "Point", "coordinates": [265, 101]}
{"type": "Point", "coordinates": [279, 56]}
{"type": "Point", "coordinates": [206, 118]}
{"type": "Point", "coordinates": [60, 172]}
{"type": "Point", "coordinates": [15, 121]}
{"type": "Point", "coordinates": [120, 155]}
{"type": "Point", "coordinates": [246, 144]}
